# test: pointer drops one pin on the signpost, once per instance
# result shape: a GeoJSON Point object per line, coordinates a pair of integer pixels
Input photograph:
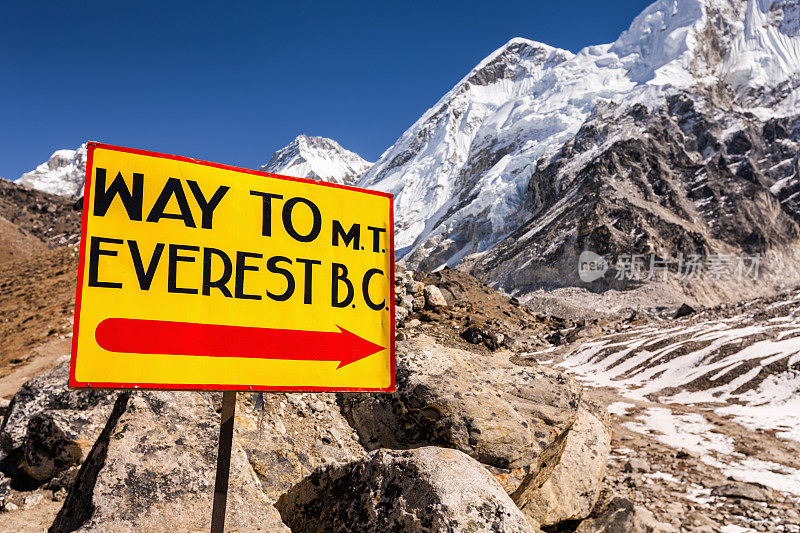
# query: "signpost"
{"type": "Point", "coordinates": [195, 275]}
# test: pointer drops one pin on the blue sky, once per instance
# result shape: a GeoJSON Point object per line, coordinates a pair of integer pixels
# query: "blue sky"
{"type": "Point", "coordinates": [232, 82]}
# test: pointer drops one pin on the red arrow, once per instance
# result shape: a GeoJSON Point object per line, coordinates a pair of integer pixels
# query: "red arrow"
{"type": "Point", "coordinates": [131, 335]}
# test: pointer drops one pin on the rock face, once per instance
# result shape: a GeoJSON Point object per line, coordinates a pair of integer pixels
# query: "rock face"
{"type": "Point", "coordinates": [572, 490]}
{"type": "Point", "coordinates": [510, 417]}
{"type": "Point", "coordinates": [153, 469]}
{"type": "Point", "coordinates": [654, 182]}
{"type": "Point", "coordinates": [426, 489]}
{"type": "Point", "coordinates": [49, 428]}
{"type": "Point", "coordinates": [53, 219]}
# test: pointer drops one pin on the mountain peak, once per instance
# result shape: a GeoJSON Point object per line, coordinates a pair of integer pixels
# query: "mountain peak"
{"type": "Point", "coordinates": [743, 43]}
{"type": "Point", "coordinates": [317, 158]}
{"type": "Point", "coordinates": [63, 174]}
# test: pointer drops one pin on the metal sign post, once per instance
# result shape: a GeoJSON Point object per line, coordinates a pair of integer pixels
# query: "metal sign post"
{"type": "Point", "coordinates": [223, 462]}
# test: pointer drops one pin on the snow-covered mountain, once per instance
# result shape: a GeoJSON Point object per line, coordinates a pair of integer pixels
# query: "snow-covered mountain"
{"type": "Point", "coordinates": [317, 158]}
{"type": "Point", "coordinates": [63, 174]}
{"type": "Point", "coordinates": [461, 172]}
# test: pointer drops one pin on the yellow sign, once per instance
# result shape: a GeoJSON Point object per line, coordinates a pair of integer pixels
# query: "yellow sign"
{"type": "Point", "coordinates": [195, 275]}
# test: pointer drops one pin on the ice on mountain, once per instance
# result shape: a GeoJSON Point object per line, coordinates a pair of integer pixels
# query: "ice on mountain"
{"type": "Point", "coordinates": [63, 174]}
{"type": "Point", "coordinates": [317, 158]}
{"type": "Point", "coordinates": [460, 172]}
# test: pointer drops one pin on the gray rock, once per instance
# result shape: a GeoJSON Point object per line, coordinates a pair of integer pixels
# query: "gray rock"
{"type": "Point", "coordinates": [153, 467]}
{"type": "Point", "coordinates": [426, 489]}
{"type": "Point", "coordinates": [5, 489]}
{"type": "Point", "coordinates": [434, 297]}
{"type": "Point", "coordinates": [64, 480]}
{"type": "Point", "coordinates": [414, 287]}
{"type": "Point", "coordinates": [32, 500]}
{"type": "Point", "coordinates": [572, 490]}
{"type": "Point", "coordinates": [510, 417]}
{"type": "Point", "coordinates": [418, 303]}
{"type": "Point", "coordinates": [636, 464]}
{"type": "Point", "coordinates": [622, 516]}
{"type": "Point", "coordinates": [400, 314]}
{"type": "Point", "coordinates": [407, 301]}
{"type": "Point", "coordinates": [406, 276]}
{"type": "Point", "coordinates": [48, 427]}
{"type": "Point", "coordinates": [748, 491]}
{"type": "Point", "coordinates": [413, 323]}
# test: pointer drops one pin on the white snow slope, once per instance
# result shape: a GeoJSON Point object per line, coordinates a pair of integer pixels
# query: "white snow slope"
{"type": "Point", "coordinates": [317, 158]}
{"type": "Point", "coordinates": [64, 173]}
{"type": "Point", "coordinates": [469, 158]}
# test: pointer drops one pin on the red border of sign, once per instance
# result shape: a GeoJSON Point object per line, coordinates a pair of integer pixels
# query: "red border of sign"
{"type": "Point", "coordinates": [206, 387]}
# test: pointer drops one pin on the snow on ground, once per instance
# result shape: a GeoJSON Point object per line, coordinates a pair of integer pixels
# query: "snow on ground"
{"type": "Point", "coordinates": [746, 367]}
{"type": "Point", "coordinates": [619, 408]}
{"type": "Point", "coordinates": [695, 433]}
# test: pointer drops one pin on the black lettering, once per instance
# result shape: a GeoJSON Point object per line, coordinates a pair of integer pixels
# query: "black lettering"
{"type": "Point", "coordinates": [225, 277]}
{"type": "Point", "coordinates": [172, 188]}
{"type": "Point", "coordinates": [376, 237]}
{"type": "Point", "coordinates": [266, 216]}
{"type": "Point", "coordinates": [241, 268]}
{"type": "Point", "coordinates": [352, 236]}
{"type": "Point", "coordinates": [365, 289]}
{"type": "Point", "coordinates": [145, 276]}
{"type": "Point", "coordinates": [94, 258]}
{"type": "Point", "coordinates": [309, 263]}
{"type": "Point", "coordinates": [172, 272]}
{"type": "Point", "coordinates": [340, 274]}
{"type": "Point", "coordinates": [272, 266]}
{"type": "Point", "coordinates": [131, 200]}
{"type": "Point", "coordinates": [207, 207]}
{"type": "Point", "coordinates": [316, 225]}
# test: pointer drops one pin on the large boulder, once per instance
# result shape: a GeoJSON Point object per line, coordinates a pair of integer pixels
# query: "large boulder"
{"type": "Point", "coordinates": [292, 435]}
{"type": "Point", "coordinates": [512, 418]}
{"type": "Point", "coordinates": [153, 469]}
{"type": "Point", "coordinates": [425, 489]}
{"type": "Point", "coordinates": [622, 516]}
{"type": "Point", "coordinates": [572, 490]}
{"type": "Point", "coordinates": [48, 428]}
